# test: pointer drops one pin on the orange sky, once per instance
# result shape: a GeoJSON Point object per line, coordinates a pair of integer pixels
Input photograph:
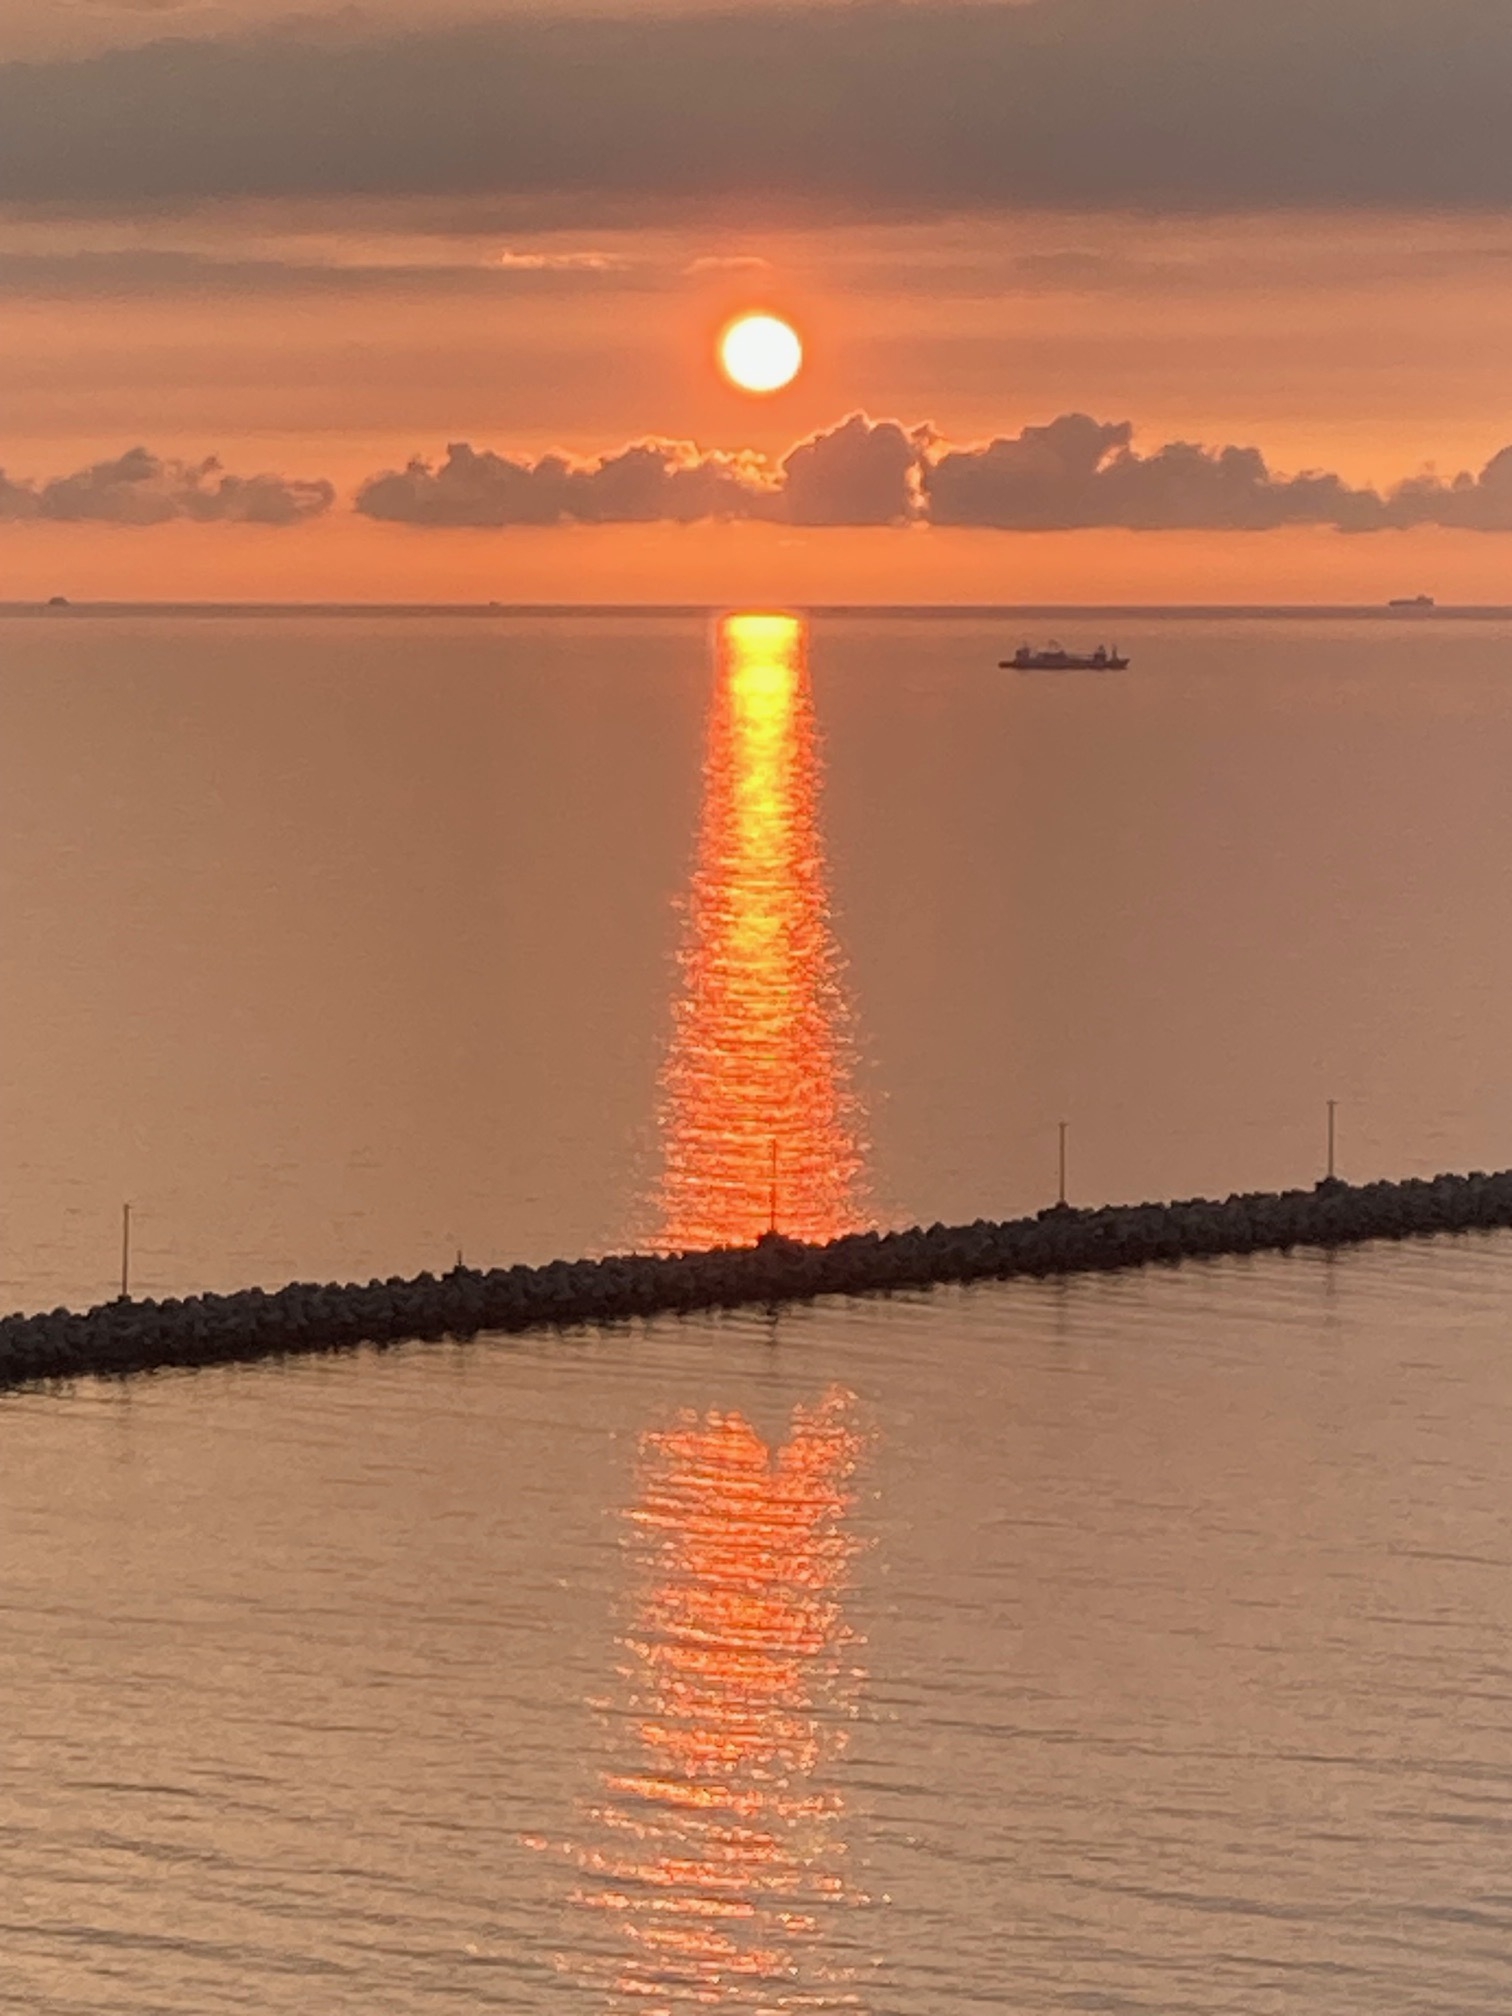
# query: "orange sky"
{"type": "Point", "coordinates": [323, 336]}
{"type": "Point", "coordinates": [1371, 350]}
{"type": "Point", "coordinates": [345, 559]}
{"type": "Point", "coordinates": [356, 333]}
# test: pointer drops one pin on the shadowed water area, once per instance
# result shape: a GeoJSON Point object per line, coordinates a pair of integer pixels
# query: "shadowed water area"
{"type": "Point", "coordinates": [1128, 1643]}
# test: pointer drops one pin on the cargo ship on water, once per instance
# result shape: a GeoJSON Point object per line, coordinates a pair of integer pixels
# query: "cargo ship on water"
{"type": "Point", "coordinates": [1055, 658]}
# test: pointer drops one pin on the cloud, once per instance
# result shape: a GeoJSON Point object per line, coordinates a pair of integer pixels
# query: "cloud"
{"type": "Point", "coordinates": [1200, 105]}
{"type": "Point", "coordinates": [18, 501]}
{"type": "Point", "coordinates": [167, 274]}
{"type": "Point", "coordinates": [1479, 504]}
{"type": "Point", "coordinates": [562, 262]}
{"type": "Point", "coordinates": [139, 488]}
{"type": "Point", "coordinates": [643, 483]}
{"type": "Point", "coordinates": [1071, 473]}
{"type": "Point", "coordinates": [863, 472]}
{"type": "Point", "coordinates": [1079, 472]}
{"type": "Point", "coordinates": [135, 6]}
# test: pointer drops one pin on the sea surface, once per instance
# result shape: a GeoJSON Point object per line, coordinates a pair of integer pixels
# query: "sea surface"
{"type": "Point", "coordinates": [1127, 1644]}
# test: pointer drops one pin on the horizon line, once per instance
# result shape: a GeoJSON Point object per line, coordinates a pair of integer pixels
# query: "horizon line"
{"type": "Point", "coordinates": [104, 606]}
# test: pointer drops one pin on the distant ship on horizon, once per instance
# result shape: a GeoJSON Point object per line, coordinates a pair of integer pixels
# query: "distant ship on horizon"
{"type": "Point", "coordinates": [1411, 602]}
{"type": "Point", "coordinates": [1055, 658]}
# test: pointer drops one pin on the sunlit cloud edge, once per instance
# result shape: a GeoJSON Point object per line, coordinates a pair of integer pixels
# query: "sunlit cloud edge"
{"type": "Point", "coordinates": [1069, 474]}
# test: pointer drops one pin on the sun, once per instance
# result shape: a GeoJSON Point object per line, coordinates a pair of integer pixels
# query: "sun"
{"type": "Point", "coordinates": [760, 353]}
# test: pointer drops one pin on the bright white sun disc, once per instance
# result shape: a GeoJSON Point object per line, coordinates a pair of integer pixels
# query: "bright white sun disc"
{"type": "Point", "coordinates": [760, 353]}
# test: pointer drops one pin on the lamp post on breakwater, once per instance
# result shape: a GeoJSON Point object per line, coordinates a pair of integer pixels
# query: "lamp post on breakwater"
{"type": "Point", "coordinates": [1332, 1109]}
{"type": "Point", "coordinates": [125, 1335]}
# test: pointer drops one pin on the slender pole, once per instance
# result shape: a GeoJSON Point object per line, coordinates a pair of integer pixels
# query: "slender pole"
{"type": "Point", "coordinates": [125, 1252]}
{"type": "Point", "coordinates": [774, 1184]}
{"type": "Point", "coordinates": [1332, 1107]}
{"type": "Point", "coordinates": [1062, 1197]}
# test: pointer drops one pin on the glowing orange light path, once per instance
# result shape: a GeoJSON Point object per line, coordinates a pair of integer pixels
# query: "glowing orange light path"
{"type": "Point", "coordinates": [760, 1058]}
{"type": "Point", "coordinates": [724, 1862]}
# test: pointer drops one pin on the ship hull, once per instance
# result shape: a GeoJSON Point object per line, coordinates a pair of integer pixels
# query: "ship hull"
{"type": "Point", "coordinates": [1061, 661]}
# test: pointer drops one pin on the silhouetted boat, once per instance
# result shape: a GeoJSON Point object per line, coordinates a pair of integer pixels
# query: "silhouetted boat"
{"type": "Point", "coordinates": [1054, 658]}
{"type": "Point", "coordinates": [1410, 602]}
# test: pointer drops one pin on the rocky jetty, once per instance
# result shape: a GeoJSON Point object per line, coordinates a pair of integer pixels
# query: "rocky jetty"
{"type": "Point", "coordinates": [132, 1336]}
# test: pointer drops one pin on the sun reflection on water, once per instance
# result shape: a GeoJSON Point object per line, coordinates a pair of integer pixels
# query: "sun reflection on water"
{"type": "Point", "coordinates": [722, 1866]}
{"type": "Point", "coordinates": [714, 1863]}
{"type": "Point", "coordinates": [759, 1120]}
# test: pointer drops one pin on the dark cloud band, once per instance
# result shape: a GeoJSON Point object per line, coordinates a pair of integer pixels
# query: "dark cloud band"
{"type": "Point", "coordinates": [139, 488]}
{"type": "Point", "coordinates": [1074, 473]}
{"type": "Point", "coordinates": [1187, 104]}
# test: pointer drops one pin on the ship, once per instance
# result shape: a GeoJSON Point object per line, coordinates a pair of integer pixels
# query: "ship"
{"type": "Point", "coordinates": [1410, 602]}
{"type": "Point", "coordinates": [1055, 658]}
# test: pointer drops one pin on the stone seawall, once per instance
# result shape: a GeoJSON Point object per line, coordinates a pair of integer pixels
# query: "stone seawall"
{"type": "Point", "coordinates": [132, 1336]}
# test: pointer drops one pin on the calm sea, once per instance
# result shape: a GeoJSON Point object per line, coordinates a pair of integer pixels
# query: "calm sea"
{"type": "Point", "coordinates": [1116, 1645]}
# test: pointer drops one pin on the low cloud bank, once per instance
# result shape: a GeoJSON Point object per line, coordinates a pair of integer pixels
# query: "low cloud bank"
{"type": "Point", "coordinates": [139, 488]}
{"type": "Point", "coordinates": [1073, 473]}
{"type": "Point", "coordinates": [1079, 472]}
{"type": "Point", "coordinates": [863, 472]}
{"type": "Point", "coordinates": [642, 484]}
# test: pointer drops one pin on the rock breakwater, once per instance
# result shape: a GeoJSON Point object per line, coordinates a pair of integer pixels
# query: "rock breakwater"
{"type": "Point", "coordinates": [129, 1335]}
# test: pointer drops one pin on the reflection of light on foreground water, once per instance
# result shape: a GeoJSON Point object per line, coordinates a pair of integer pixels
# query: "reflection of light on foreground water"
{"type": "Point", "coordinates": [757, 1095]}
{"type": "Point", "coordinates": [720, 1864]}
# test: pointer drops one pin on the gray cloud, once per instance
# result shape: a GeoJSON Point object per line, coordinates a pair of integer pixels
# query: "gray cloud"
{"type": "Point", "coordinates": [139, 488]}
{"type": "Point", "coordinates": [648, 481]}
{"type": "Point", "coordinates": [1079, 472]}
{"type": "Point", "coordinates": [18, 501]}
{"type": "Point", "coordinates": [110, 275]}
{"type": "Point", "coordinates": [1481, 504]}
{"type": "Point", "coordinates": [1073, 473]}
{"type": "Point", "coordinates": [863, 472]}
{"type": "Point", "coordinates": [1191, 104]}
